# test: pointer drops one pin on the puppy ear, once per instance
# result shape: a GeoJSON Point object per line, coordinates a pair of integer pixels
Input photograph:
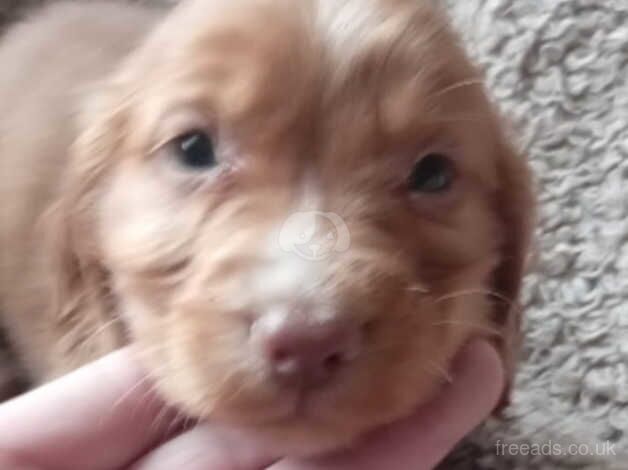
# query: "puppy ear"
{"type": "Point", "coordinates": [83, 307]}
{"type": "Point", "coordinates": [515, 204]}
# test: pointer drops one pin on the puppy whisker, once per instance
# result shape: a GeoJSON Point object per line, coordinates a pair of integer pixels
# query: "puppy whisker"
{"type": "Point", "coordinates": [87, 341]}
{"type": "Point", "coordinates": [127, 395]}
{"type": "Point", "coordinates": [439, 371]}
{"type": "Point", "coordinates": [418, 288]}
{"type": "Point", "coordinates": [475, 291]}
{"type": "Point", "coordinates": [457, 86]}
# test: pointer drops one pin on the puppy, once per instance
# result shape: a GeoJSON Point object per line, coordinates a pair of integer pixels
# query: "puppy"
{"type": "Point", "coordinates": [296, 211]}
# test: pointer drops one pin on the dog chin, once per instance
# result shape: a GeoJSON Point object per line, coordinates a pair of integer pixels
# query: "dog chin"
{"type": "Point", "coordinates": [290, 439]}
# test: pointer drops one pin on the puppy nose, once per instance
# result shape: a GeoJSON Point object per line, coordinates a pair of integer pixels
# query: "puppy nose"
{"type": "Point", "coordinates": [302, 352]}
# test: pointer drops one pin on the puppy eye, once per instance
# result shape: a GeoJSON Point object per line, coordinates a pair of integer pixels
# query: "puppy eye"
{"type": "Point", "coordinates": [195, 150]}
{"type": "Point", "coordinates": [434, 173]}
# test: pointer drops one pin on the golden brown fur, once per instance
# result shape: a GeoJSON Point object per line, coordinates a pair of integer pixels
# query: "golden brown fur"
{"type": "Point", "coordinates": [314, 105]}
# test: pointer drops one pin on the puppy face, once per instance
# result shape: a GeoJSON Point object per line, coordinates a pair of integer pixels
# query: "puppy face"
{"type": "Point", "coordinates": [302, 210]}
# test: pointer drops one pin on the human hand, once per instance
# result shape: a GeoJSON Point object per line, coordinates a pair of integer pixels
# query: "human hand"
{"type": "Point", "coordinates": [106, 416]}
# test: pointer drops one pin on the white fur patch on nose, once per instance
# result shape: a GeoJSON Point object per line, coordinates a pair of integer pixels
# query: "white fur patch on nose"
{"type": "Point", "coordinates": [282, 279]}
{"type": "Point", "coordinates": [295, 258]}
{"type": "Point", "coordinates": [285, 276]}
{"type": "Point", "coordinates": [314, 235]}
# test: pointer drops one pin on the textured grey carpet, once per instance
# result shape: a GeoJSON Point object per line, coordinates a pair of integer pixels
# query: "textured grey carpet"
{"type": "Point", "coordinates": [559, 69]}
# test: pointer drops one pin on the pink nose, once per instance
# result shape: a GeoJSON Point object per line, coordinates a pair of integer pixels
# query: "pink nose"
{"type": "Point", "coordinates": [302, 352]}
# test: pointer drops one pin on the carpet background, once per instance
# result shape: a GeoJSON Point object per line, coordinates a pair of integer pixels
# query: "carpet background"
{"type": "Point", "coordinates": [559, 69]}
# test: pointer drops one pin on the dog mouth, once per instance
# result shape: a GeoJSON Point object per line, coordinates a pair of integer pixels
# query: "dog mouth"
{"type": "Point", "coordinates": [298, 407]}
